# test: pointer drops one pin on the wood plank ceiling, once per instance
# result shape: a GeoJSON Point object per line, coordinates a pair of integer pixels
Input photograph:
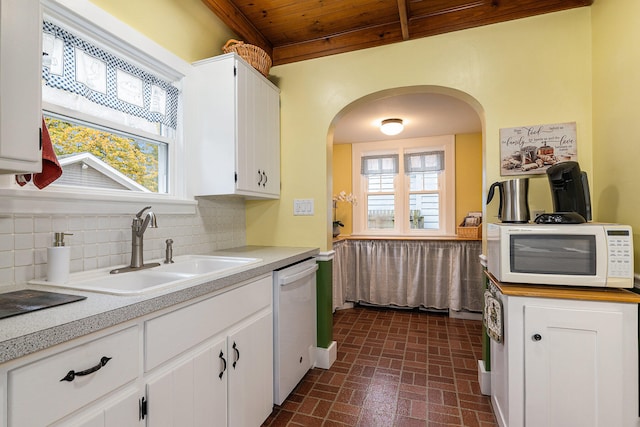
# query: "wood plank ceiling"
{"type": "Point", "coordinates": [296, 30]}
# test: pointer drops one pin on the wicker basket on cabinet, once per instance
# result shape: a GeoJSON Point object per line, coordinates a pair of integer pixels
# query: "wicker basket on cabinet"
{"type": "Point", "coordinates": [254, 55]}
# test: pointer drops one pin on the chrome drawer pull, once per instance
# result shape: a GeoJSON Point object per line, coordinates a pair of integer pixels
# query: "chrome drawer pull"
{"type": "Point", "coordinates": [71, 375]}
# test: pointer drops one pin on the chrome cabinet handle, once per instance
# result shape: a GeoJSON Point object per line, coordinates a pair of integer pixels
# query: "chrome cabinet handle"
{"type": "Point", "coordinates": [71, 375]}
{"type": "Point", "coordinates": [265, 179]}
{"type": "Point", "coordinates": [260, 174]}
{"type": "Point", "coordinates": [224, 366]}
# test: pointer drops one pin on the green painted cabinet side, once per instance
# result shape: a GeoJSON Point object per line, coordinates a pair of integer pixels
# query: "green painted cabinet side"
{"type": "Point", "coordinates": [324, 295]}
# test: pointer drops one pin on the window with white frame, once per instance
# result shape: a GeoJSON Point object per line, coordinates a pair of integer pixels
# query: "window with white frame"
{"type": "Point", "coordinates": [112, 122]}
{"type": "Point", "coordinates": [407, 187]}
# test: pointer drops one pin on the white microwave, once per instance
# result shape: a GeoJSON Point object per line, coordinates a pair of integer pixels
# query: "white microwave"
{"type": "Point", "coordinates": [588, 254]}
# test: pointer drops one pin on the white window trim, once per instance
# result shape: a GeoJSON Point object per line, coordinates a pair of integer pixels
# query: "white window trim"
{"type": "Point", "coordinates": [447, 207]}
{"type": "Point", "coordinates": [119, 37]}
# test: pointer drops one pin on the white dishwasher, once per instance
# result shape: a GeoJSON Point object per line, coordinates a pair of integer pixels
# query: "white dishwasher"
{"type": "Point", "coordinates": [294, 326]}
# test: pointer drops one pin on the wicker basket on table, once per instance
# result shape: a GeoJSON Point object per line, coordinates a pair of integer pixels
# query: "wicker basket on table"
{"type": "Point", "coordinates": [254, 55]}
{"type": "Point", "coordinates": [472, 232]}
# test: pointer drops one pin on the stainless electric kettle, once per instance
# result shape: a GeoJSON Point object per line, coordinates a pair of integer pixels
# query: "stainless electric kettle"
{"type": "Point", "coordinates": [514, 200]}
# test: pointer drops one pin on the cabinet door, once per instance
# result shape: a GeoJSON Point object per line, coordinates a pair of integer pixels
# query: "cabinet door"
{"type": "Point", "coordinates": [258, 133]}
{"type": "Point", "coordinates": [250, 174]}
{"type": "Point", "coordinates": [267, 148]}
{"type": "Point", "coordinates": [122, 411]}
{"type": "Point", "coordinates": [20, 68]}
{"type": "Point", "coordinates": [247, 174]}
{"type": "Point", "coordinates": [573, 367]}
{"type": "Point", "coordinates": [191, 393]}
{"type": "Point", "coordinates": [251, 373]}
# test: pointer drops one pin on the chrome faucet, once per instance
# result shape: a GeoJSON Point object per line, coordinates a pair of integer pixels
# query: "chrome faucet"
{"type": "Point", "coordinates": [138, 227]}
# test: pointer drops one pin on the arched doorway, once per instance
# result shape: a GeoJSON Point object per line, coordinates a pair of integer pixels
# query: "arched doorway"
{"type": "Point", "coordinates": [426, 111]}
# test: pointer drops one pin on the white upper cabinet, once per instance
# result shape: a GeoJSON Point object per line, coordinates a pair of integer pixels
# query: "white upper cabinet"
{"type": "Point", "coordinates": [232, 130]}
{"type": "Point", "coordinates": [20, 80]}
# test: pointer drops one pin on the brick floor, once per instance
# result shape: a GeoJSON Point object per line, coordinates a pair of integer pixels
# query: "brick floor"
{"type": "Point", "coordinates": [394, 368]}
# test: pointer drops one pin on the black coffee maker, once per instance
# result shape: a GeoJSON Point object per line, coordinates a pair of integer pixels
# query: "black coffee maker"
{"type": "Point", "coordinates": [570, 194]}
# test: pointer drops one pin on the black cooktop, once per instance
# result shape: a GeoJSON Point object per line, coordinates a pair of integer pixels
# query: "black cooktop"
{"type": "Point", "coordinates": [27, 300]}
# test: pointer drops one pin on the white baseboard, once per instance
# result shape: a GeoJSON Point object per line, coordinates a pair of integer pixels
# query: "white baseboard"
{"type": "Point", "coordinates": [484, 378]}
{"type": "Point", "coordinates": [345, 306]}
{"type": "Point", "coordinates": [465, 315]}
{"type": "Point", "coordinates": [326, 356]}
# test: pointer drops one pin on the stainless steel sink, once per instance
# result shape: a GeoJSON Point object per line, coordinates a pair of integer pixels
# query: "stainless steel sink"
{"type": "Point", "coordinates": [187, 268]}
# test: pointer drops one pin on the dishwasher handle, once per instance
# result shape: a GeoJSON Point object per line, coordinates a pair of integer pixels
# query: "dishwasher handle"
{"type": "Point", "coordinates": [287, 280]}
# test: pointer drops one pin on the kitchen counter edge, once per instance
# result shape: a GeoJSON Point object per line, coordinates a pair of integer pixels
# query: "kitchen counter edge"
{"type": "Point", "coordinates": [566, 292]}
{"type": "Point", "coordinates": [31, 332]}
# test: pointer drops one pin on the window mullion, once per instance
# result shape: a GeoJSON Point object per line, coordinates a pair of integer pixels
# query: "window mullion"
{"type": "Point", "coordinates": [402, 201]}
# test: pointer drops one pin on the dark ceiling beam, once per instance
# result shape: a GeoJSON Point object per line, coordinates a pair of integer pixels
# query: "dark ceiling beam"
{"type": "Point", "coordinates": [473, 14]}
{"type": "Point", "coordinates": [238, 23]}
{"type": "Point", "coordinates": [482, 12]}
{"type": "Point", "coordinates": [404, 21]}
{"type": "Point", "coordinates": [338, 43]}
{"type": "Point", "coordinates": [462, 15]}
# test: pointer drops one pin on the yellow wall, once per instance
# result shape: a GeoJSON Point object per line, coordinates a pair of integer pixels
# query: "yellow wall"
{"type": "Point", "coordinates": [524, 72]}
{"type": "Point", "coordinates": [185, 27]}
{"type": "Point", "coordinates": [468, 178]}
{"type": "Point", "coordinates": [530, 71]}
{"type": "Point", "coordinates": [342, 181]}
{"type": "Point", "coordinates": [468, 174]}
{"type": "Point", "coordinates": [616, 81]}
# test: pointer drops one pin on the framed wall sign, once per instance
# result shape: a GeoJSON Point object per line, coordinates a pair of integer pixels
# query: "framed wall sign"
{"type": "Point", "coordinates": [528, 150]}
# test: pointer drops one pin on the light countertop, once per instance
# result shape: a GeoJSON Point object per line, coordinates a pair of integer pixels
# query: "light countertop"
{"type": "Point", "coordinates": [567, 292]}
{"type": "Point", "coordinates": [27, 333]}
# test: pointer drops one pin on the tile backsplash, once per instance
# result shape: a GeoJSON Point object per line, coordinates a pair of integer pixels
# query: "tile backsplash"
{"type": "Point", "coordinates": [101, 241]}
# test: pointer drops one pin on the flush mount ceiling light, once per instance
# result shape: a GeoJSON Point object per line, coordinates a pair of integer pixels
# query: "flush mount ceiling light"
{"type": "Point", "coordinates": [391, 126]}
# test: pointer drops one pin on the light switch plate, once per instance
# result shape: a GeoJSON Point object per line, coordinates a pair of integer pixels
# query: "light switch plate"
{"type": "Point", "coordinates": [303, 207]}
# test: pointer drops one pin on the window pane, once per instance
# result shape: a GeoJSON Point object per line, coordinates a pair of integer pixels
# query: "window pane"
{"type": "Point", "coordinates": [98, 157]}
{"type": "Point", "coordinates": [387, 163]}
{"type": "Point", "coordinates": [426, 181]}
{"type": "Point", "coordinates": [424, 211]}
{"type": "Point", "coordinates": [80, 75]}
{"type": "Point", "coordinates": [380, 211]}
{"type": "Point", "coordinates": [380, 183]}
{"type": "Point", "coordinates": [430, 161]}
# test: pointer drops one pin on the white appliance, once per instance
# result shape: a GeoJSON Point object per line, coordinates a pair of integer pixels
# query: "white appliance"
{"type": "Point", "coordinates": [294, 326]}
{"type": "Point", "coordinates": [587, 254]}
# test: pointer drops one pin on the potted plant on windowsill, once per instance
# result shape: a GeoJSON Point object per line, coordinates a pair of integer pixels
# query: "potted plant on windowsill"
{"type": "Point", "coordinates": [341, 197]}
{"type": "Point", "coordinates": [336, 228]}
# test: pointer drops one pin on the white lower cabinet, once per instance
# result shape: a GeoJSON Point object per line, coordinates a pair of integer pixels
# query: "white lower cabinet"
{"type": "Point", "coordinates": [250, 349]}
{"type": "Point", "coordinates": [45, 391]}
{"type": "Point", "coordinates": [226, 379]}
{"type": "Point", "coordinates": [566, 363]}
{"type": "Point", "coordinates": [114, 412]}
{"type": "Point", "coordinates": [227, 383]}
{"type": "Point", "coordinates": [192, 392]}
{"type": "Point", "coordinates": [207, 363]}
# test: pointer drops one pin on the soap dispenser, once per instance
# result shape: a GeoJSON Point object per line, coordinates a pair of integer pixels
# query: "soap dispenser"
{"type": "Point", "coordinates": [58, 260]}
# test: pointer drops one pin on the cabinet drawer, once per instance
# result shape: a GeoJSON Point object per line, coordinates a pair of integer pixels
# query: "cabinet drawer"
{"type": "Point", "coordinates": [169, 335]}
{"type": "Point", "coordinates": [38, 395]}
